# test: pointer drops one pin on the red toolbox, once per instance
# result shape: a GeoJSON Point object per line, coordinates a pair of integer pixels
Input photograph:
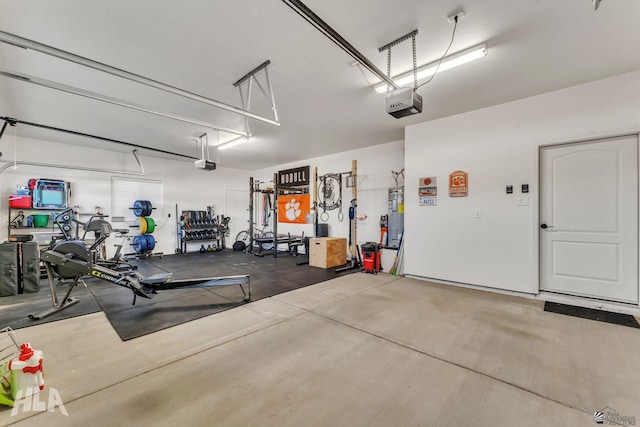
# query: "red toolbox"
{"type": "Point", "coordinates": [371, 257]}
{"type": "Point", "coordinates": [19, 201]}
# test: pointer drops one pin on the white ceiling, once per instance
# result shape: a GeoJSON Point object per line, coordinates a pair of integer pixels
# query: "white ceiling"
{"type": "Point", "coordinates": [323, 101]}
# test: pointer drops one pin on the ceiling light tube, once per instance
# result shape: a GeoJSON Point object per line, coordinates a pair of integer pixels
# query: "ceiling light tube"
{"type": "Point", "coordinates": [110, 100]}
{"type": "Point", "coordinates": [232, 143]}
{"type": "Point", "coordinates": [18, 41]}
{"type": "Point", "coordinates": [427, 70]}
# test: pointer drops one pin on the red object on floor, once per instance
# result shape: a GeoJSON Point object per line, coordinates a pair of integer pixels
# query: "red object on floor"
{"type": "Point", "coordinates": [371, 257]}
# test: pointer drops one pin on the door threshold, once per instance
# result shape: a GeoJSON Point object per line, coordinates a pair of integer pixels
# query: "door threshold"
{"type": "Point", "coordinates": [615, 307]}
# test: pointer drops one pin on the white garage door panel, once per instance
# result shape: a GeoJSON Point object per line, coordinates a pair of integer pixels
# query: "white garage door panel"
{"type": "Point", "coordinates": [586, 261]}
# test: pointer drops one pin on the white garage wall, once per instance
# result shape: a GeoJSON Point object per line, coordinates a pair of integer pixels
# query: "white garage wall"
{"type": "Point", "coordinates": [190, 188]}
{"type": "Point", "coordinates": [374, 179]}
{"type": "Point", "coordinates": [498, 146]}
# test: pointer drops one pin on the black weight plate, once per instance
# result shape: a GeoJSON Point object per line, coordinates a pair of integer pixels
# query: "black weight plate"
{"type": "Point", "coordinates": [148, 208]}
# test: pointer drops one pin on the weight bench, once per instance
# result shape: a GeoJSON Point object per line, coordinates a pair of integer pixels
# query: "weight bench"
{"type": "Point", "coordinates": [292, 243]}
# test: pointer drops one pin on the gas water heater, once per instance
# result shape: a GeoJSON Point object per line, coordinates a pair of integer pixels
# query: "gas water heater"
{"type": "Point", "coordinates": [396, 216]}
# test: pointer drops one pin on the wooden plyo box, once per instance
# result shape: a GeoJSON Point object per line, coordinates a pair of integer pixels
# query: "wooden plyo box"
{"type": "Point", "coordinates": [327, 252]}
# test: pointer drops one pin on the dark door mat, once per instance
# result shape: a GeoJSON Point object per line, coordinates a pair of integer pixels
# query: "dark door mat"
{"type": "Point", "coordinates": [592, 314]}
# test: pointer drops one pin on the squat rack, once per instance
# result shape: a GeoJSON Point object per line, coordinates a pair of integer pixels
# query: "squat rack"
{"type": "Point", "coordinates": [254, 187]}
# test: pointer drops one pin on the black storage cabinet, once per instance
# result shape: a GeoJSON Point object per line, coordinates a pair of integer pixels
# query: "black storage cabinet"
{"type": "Point", "coordinates": [19, 268]}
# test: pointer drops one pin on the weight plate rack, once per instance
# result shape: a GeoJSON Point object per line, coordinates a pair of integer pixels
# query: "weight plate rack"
{"type": "Point", "coordinates": [144, 243]}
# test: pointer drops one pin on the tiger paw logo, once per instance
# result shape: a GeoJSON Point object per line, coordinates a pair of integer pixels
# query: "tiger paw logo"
{"type": "Point", "coordinates": [292, 209]}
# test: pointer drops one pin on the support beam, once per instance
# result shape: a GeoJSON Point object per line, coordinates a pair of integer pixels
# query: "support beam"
{"type": "Point", "coordinates": [7, 121]}
{"type": "Point", "coordinates": [259, 68]}
{"type": "Point", "coordinates": [354, 196]}
{"type": "Point", "coordinates": [13, 122]}
{"type": "Point", "coordinates": [22, 42]}
{"type": "Point", "coordinates": [249, 79]}
{"type": "Point", "coordinates": [315, 201]}
{"type": "Point", "coordinates": [302, 10]}
{"type": "Point", "coordinates": [252, 188]}
{"type": "Point", "coordinates": [275, 215]}
{"type": "Point", "coordinates": [110, 100]}
{"type": "Point", "coordinates": [81, 168]}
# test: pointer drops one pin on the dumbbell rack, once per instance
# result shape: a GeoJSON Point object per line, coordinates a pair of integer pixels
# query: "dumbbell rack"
{"type": "Point", "coordinates": [201, 227]}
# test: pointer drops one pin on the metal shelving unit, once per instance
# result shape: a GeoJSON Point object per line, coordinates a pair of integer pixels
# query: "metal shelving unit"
{"type": "Point", "coordinates": [202, 227]}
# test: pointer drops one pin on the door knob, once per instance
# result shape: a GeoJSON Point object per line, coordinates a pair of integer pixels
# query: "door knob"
{"type": "Point", "coordinates": [545, 226]}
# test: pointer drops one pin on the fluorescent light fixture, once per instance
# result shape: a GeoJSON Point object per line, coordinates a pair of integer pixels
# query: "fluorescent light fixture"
{"type": "Point", "coordinates": [232, 143]}
{"type": "Point", "coordinates": [427, 70]}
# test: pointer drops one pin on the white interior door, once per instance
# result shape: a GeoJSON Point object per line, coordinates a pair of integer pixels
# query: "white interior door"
{"type": "Point", "coordinates": [236, 207]}
{"type": "Point", "coordinates": [589, 219]}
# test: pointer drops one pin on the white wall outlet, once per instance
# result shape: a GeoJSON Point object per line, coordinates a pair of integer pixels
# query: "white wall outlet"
{"type": "Point", "coordinates": [476, 213]}
{"type": "Point", "coordinates": [523, 201]}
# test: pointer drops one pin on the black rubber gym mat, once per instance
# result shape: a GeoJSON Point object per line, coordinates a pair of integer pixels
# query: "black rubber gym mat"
{"type": "Point", "coordinates": [269, 276]}
{"type": "Point", "coordinates": [15, 310]}
{"type": "Point", "coordinates": [173, 308]}
{"type": "Point", "coordinates": [592, 314]}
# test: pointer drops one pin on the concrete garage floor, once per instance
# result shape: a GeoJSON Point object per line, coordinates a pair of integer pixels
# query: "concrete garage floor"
{"type": "Point", "coordinates": [359, 350]}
